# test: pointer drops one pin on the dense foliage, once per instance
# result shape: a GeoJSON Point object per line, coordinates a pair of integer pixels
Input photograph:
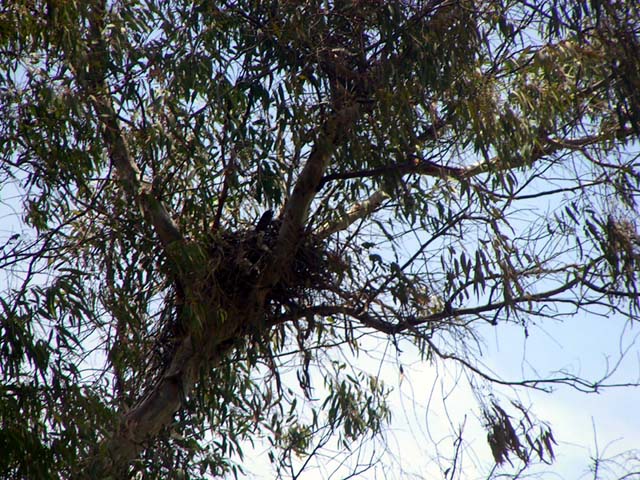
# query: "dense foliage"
{"type": "Point", "coordinates": [207, 201]}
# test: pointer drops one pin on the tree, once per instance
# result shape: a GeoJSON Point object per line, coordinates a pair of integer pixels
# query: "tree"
{"type": "Point", "coordinates": [220, 195]}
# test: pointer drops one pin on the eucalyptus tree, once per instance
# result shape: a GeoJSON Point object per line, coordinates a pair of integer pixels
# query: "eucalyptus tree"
{"type": "Point", "coordinates": [211, 199]}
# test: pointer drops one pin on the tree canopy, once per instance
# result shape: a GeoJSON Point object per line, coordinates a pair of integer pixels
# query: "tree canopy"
{"type": "Point", "coordinates": [208, 201]}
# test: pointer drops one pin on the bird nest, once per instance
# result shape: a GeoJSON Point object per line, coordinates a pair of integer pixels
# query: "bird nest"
{"type": "Point", "coordinates": [245, 253]}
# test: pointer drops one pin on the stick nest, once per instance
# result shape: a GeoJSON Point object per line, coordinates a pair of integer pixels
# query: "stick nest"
{"type": "Point", "coordinates": [313, 273]}
{"type": "Point", "coordinates": [245, 253]}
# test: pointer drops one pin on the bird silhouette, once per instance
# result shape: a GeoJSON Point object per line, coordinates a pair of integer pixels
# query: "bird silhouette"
{"type": "Point", "coordinates": [264, 221]}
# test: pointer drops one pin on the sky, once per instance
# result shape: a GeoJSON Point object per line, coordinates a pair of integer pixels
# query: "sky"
{"type": "Point", "coordinates": [429, 399]}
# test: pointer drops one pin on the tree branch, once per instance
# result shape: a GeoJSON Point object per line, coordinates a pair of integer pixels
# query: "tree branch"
{"type": "Point", "coordinates": [305, 189]}
{"type": "Point", "coordinates": [356, 212]}
{"type": "Point", "coordinates": [130, 177]}
{"type": "Point", "coordinates": [421, 166]}
{"type": "Point", "coordinates": [388, 328]}
{"type": "Point", "coordinates": [92, 76]}
{"type": "Point", "coordinates": [156, 409]}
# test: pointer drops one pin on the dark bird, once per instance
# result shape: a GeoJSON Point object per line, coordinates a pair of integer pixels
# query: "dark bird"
{"type": "Point", "coordinates": [264, 221]}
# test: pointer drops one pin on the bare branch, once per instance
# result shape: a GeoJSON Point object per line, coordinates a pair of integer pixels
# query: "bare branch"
{"type": "Point", "coordinates": [118, 151]}
{"type": "Point", "coordinates": [356, 212]}
{"type": "Point", "coordinates": [306, 187]}
{"type": "Point", "coordinates": [422, 166]}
